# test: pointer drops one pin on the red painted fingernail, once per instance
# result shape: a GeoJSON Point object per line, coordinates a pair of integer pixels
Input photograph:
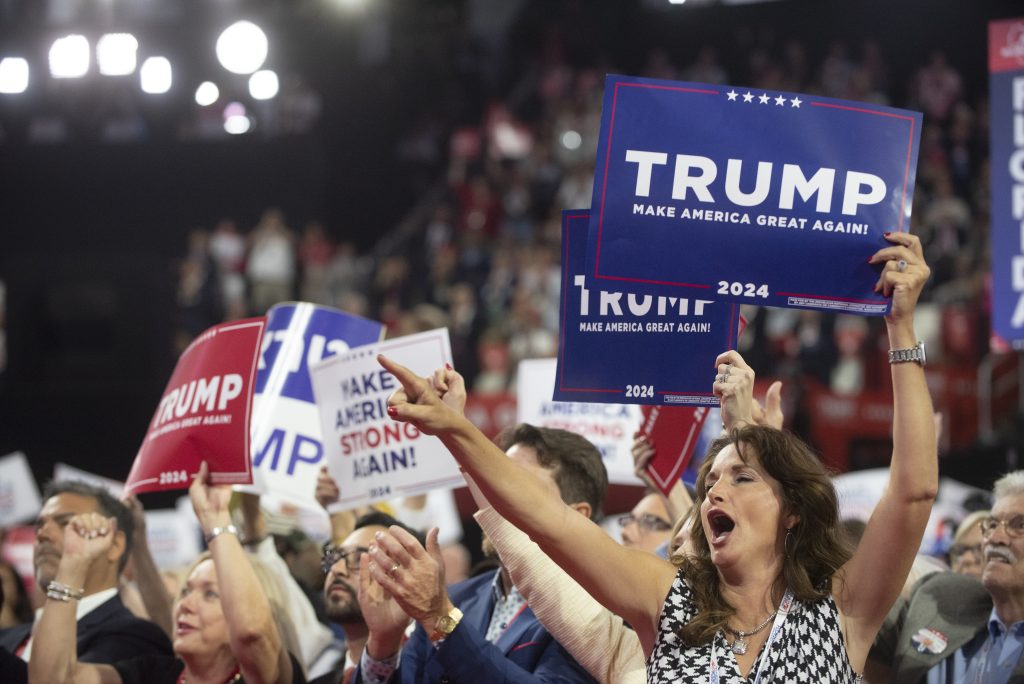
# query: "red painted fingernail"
{"type": "Point", "coordinates": [448, 366]}
{"type": "Point", "coordinates": [887, 233]}
{"type": "Point", "coordinates": [870, 258]}
{"type": "Point", "coordinates": [392, 411]}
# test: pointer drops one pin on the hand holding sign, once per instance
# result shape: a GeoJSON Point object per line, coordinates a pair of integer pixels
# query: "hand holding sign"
{"type": "Point", "coordinates": [210, 502]}
{"type": "Point", "coordinates": [904, 273]}
{"type": "Point", "coordinates": [734, 384]}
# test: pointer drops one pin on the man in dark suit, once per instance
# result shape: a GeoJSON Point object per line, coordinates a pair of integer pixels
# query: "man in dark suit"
{"type": "Point", "coordinates": [480, 630]}
{"type": "Point", "coordinates": [107, 631]}
{"type": "Point", "coordinates": [955, 628]}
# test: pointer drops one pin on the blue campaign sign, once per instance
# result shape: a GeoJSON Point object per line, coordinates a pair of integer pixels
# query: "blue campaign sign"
{"type": "Point", "coordinates": [749, 196]}
{"type": "Point", "coordinates": [1006, 85]}
{"type": "Point", "coordinates": [298, 335]}
{"type": "Point", "coordinates": [630, 343]}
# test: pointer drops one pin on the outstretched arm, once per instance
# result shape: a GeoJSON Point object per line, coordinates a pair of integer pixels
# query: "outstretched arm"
{"type": "Point", "coordinates": [255, 641]}
{"type": "Point", "coordinates": [152, 589]}
{"type": "Point", "coordinates": [631, 583]}
{"type": "Point", "coordinates": [866, 589]}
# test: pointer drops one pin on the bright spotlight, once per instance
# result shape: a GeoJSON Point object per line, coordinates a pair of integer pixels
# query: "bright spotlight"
{"type": "Point", "coordinates": [242, 47]}
{"type": "Point", "coordinates": [13, 75]}
{"type": "Point", "coordinates": [155, 75]}
{"type": "Point", "coordinates": [236, 121]}
{"type": "Point", "coordinates": [263, 85]}
{"type": "Point", "coordinates": [115, 54]}
{"type": "Point", "coordinates": [571, 140]}
{"type": "Point", "coordinates": [207, 93]}
{"type": "Point", "coordinates": [69, 57]}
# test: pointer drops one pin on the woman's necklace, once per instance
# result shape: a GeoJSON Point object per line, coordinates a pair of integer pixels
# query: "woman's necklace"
{"type": "Point", "coordinates": [739, 646]}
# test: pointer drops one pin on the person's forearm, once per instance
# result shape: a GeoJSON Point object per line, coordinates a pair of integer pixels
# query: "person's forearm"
{"type": "Point", "coordinates": [152, 589]}
{"type": "Point", "coordinates": [55, 635]}
{"type": "Point", "coordinates": [510, 489]}
{"type": "Point", "coordinates": [678, 501]}
{"type": "Point", "coordinates": [914, 470]}
{"type": "Point", "coordinates": [255, 641]}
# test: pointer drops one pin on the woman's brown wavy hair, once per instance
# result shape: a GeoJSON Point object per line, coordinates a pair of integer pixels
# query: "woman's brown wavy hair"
{"type": "Point", "coordinates": [817, 551]}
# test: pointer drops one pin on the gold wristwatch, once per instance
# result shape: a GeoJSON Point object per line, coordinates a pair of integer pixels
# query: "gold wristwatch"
{"type": "Point", "coordinates": [445, 624]}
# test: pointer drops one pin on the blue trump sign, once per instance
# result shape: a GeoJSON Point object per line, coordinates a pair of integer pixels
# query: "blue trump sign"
{"type": "Point", "coordinates": [749, 196]}
{"type": "Point", "coordinates": [634, 344]}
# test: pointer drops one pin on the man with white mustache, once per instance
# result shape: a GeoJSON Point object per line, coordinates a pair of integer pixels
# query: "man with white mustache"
{"type": "Point", "coordinates": [956, 629]}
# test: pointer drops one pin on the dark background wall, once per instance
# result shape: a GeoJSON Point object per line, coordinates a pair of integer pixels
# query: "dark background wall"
{"type": "Point", "coordinates": [89, 232]}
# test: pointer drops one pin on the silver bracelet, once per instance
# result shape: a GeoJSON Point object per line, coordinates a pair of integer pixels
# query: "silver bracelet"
{"type": "Point", "coordinates": [217, 531]}
{"type": "Point", "coordinates": [62, 592]}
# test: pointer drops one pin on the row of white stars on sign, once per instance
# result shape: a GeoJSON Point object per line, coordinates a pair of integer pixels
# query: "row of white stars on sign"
{"type": "Point", "coordinates": [763, 98]}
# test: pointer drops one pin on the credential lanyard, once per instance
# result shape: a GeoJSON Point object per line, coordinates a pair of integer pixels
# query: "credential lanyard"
{"type": "Point", "coordinates": [773, 636]}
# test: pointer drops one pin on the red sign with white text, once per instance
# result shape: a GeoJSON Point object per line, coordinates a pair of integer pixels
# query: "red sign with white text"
{"type": "Point", "coordinates": [674, 431]}
{"type": "Point", "coordinates": [203, 414]}
{"type": "Point", "coordinates": [1006, 45]}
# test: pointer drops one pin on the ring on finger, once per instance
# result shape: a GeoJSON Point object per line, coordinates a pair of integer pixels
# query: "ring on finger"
{"type": "Point", "coordinates": [901, 265]}
{"type": "Point", "coordinates": [393, 569]}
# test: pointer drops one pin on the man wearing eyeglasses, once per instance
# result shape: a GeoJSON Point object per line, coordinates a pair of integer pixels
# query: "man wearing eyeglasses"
{"type": "Point", "coordinates": [956, 629]}
{"type": "Point", "coordinates": [341, 586]}
{"type": "Point", "coordinates": [647, 526]}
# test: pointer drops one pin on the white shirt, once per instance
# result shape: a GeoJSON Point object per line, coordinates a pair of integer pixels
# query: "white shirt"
{"type": "Point", "coordinates": [85, 606]}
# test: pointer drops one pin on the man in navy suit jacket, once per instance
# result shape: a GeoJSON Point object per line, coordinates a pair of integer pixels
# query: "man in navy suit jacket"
{"type": "Point", "coordinates": [107, 631]}
{"type": "Point", "coordinates": [480, 630]}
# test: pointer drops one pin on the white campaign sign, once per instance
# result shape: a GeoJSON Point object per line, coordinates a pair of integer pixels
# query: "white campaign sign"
{"type": "Point", "coordinates": [371, 456]}
{"type": "Point", "coordinates": [63, 471]}
{"type": "Point", "coordinates": [19, 494]}
{"type": "Point", "coordinates": [860, 491]}
{"type": "Point", "coordinates": [286, 443]}
{"type": "Point", "coordinates": [609, 427]}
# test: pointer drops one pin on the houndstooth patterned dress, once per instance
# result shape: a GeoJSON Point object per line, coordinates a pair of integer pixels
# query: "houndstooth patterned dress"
{"type": "Point", "coordinates": [810, 648]}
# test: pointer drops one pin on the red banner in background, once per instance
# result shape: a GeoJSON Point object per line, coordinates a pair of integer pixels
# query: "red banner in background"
{"type": "Point", "coordinates": [204, 413]}
{"type": "Point", "coordinates": [674, 431]}
{"type": "Point", "coordinates": [1006, 45]}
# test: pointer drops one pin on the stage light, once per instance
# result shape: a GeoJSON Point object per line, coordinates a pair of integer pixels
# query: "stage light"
{"type": "Point", "coordinates": [13, 75]}
{"type": "Point", "coordinates": [207, 93]}
{"type": "Point", "coordinates": [69, 57]}
{"type": "Point", "coordinates": [116, 54]}
{"type": "Point", "coordinates": [263, 85]}
{"type": "Point", "coordinates": [242, 47]}
{"type": "Point", "coordinates": [571, 140]}
{"type": "Point", "coordinates": [155, 75]}
{"type": "Point", "coordinates": [236, 121]}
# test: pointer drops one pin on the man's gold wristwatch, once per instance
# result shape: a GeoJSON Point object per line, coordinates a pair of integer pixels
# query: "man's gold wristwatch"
{"type": "Point", "coordinates": [446, 624]}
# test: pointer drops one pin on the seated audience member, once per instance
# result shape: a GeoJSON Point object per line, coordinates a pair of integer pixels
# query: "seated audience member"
{"type": "Point", "coordinates": [106, 630]}
{"type": "Point", "coordinates": [341, 589]}
{"type": "Point", "coordinates": [965, 555]}
{"type": "Point", "coordinates": [769, 588]}
{"type": "Point", "coordinates": [224, 629]}
{"type": "Point", "coordinates": [481, 630]}
{"type": "Point", "coordinates": [954, 628]}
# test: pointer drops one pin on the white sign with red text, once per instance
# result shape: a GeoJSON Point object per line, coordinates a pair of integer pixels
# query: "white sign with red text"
{"type": "Point", "coordinates": [371, 456]}
{"type": "Point", "coordinates": [19, 494]}
{"type": "Point", "coordinates": [609, 427]}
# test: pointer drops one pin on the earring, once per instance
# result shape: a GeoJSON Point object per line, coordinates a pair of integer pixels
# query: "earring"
{"type": "Point", "coordinates": [790, 537]}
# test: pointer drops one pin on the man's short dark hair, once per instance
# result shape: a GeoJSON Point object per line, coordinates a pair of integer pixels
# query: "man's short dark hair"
{"type": "Point", "coordinates": [107, 505]}
{"type": "Point", "coordinates": [576, 464]}
{"type": "Point", "coordinates": [380, 519]}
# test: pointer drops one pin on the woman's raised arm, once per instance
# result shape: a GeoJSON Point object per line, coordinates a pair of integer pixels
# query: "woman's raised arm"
{"type": "Point", "coordinates": [630, 583]}
{"type": "Point", "coordinates": [866, 589]}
